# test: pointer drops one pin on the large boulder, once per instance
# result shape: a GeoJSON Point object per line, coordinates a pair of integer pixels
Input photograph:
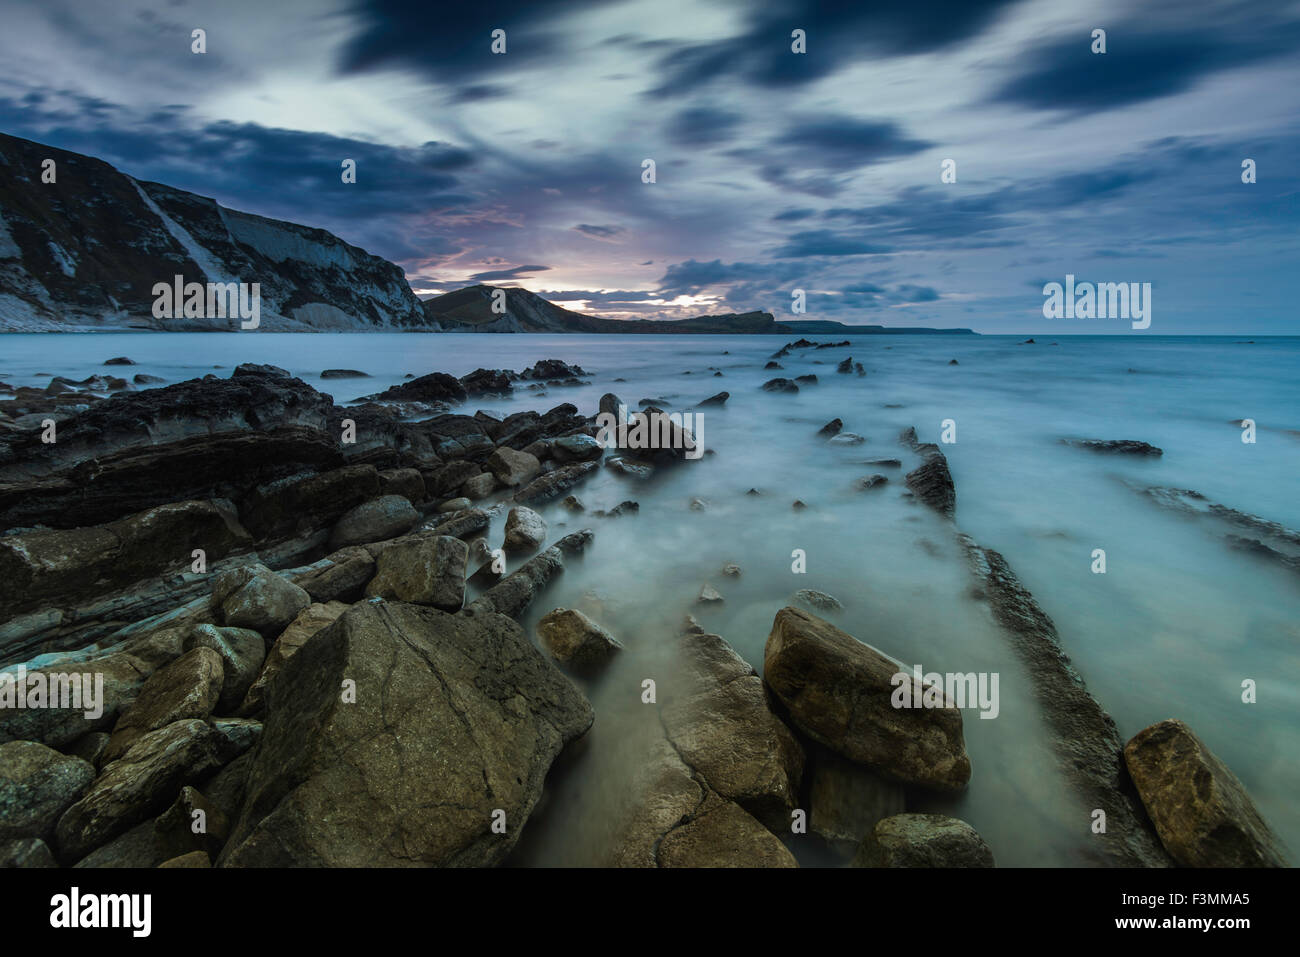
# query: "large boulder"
{"type": "Point", "coordinates": [453, 719]}
{"type": "Point", "coordinates": [140, 784]}
{"type": "Point", "coordinates": [923, 840]}
{"type": "Point", "coordinates": [513, 468]}
{"type": "Point", "coordinates": [37, 784]}
{"type": "Point", "coordinates": [122, 674]}
{"type": "Point", "coordinates": [839, 692]}
{"type": "Point", "coordinates": [425, 570]}
{"type": "Point", "coordinates": [1201, 811]}
{"type": "Point", "coordinates": [253, 596]}
{"type": "Point", "coordinates": [525, 530]}
{"type": "Point", "coordinates": [189, 687]}
{"type": "Point", "coordinates": [309, 621]}
{"type": "Point", "coordinates": [385, 517]}
{"type": "Point", "coordinates": [299, 504]}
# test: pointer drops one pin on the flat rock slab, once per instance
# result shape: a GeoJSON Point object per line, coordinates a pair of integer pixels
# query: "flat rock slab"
{"type": "Point", "coordinates": [839, 692]}
{"type": "Point", "coordinates": [923, 840]}
{"type": "Point", "coordinates": [1201, 811]}
{"type": "Point", "coordinates": [189, 687]}
{"type": "Point", "coordinates": [453, 717]}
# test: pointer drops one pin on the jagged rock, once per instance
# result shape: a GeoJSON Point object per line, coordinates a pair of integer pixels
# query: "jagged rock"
{"type": "Point", "coordinates": [870, 482]}
{"type": "Point", "coordinates": [242, 652]}
{"type": "Point", "coordinates": [434, 387]}
{"type": "Point", "coordinates": [454, 717]}
{"type": "Point", "coordinates": [576, 448]}
{"type": "Point", "coordinates": [525, 530]}
{"type": "Point", "coordinates": [817, 599]}
{"type": "Point", "coordinates": [846, 366]}
{"type": "Point", "coordinates": [139, 784]}
{"type": "Point", "coordinates": [300, 504]}
{"type": "Point", "coordinates": [513, 469]}
{"type": "Point", "coordinates": [189, 687]}
{"type": "Point", "coordinates": [715, 400]}
{"type": "Point", "coordinates": [709, 596]}
{"type": "Point", "coordinates": [425, 571]}
{"type": "Point", "coordinates": [240, 734]}
{"type": "Point", "coordinates": [382, 518]}
{"type": "Point", "coordinates": [309, 621]}
{"type": "Point", "coordinates": [554, 484]}
{"type": "Point", "coordinates": [932, 484]}
{"type": "Point", "coordinates": [26, 852]}
{"type": "Point", "coordinates": [37, 784]}
{"type": "Point", "coordinates": [256, 597]}
{"type": "Point", "coordinates": [57, 727]}
{"type": "Point", "coordinates": [831, 428]}
{"type": "Point", "coordinates": [1203, 814]}
{"type": "Point", "coordinates": [923, 840]}
{"type": "Point", "coordinates": [1115, 446]}
{"type": "Point", "coordinates": [625, 466]}
{"type": "Point", "coordinates": [838, 691]}
{"type": "Point", "coordinates": [574, 639]}
{"type": "Point", "coordinates": [488, 382]}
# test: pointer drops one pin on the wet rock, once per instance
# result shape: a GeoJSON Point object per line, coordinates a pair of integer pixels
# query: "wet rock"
{"type": "Point", "coordinates": [488, 382]}
{"type": "Point", "coordinates": [609, 404]}
{"type": "Point", "coordinates": [845, 367]}
{"type": "Point", "coordinates": [119, 361]}
{"type": "Point", "coordinates": [715, 400]}
{"type": "Point", "coordinates": [309, 621]}
{"type": "Point", "coordinates": [255, 597]}
{"type": "Point", "coordinates": [189, 687]}
{"type": "Point", "coordinates": [884, 463]}
{"type": "Point", "coordinates": [923, 840]}
{"type": "Point", "coordinates": [455, 718]}
{"type": "Point", "coordinates": [385, 517]}
{"type": "Point", "coordinates": [839, 691]}
{"type": "Point", "coordinates": [723, 835]}
{"type": "Point", "coordinates": [427, 570]}
{"type": "Point", "coordinates": [930, 482]}
{"type": "Point", "coordinates": [846, 801]}
{"type": "Point", "coordinates": [138, 847]}
{"type": "Point", "coordinates": [436, 386]}
{"type": "Point", "coordinates": [26, 852]}
{"type": "Point", "coordinates": [846, 438]}
{"type": "Point", "coordinates": [780, 385]}
{"type": "Point", "coordinates": [1201, 811]}
{"type": "Point", "coordinates": [806, 379]}
{"type": "Point", "coordinates": [576, 448]}
{"type": "Point", "coordinates": [301, 504]}
{"type": "Point", "coordinates": [454, 505]}
{"type": "Point", "coordinates": [773, 364]}
{"type": "Point", "coordinates": [574, 639]}
{"type": "Point", "coordinates": [408, 483]}
{"type": "Point", "coordinates": [554, 484]}
{"type": "Point", "coordinates": [515, 592]}
{"type": "Point", "coordinates": [709, 596]}
{"type": "Point", "coordinates": [573, 504]}
{"type": "Point", "coordinates": [37, 784]}
{"type": "Point", "coordinates": [798, 505]}
{"type": "Point", "coordinates": [625, 466]}
{"type": "Point", "coordinates": [479, 486]}
{"type": "Point", "coordinates": [240, 734]}
{"type": "Point", "coordinates": [175, 829]}
{"type": "Point", "coordinates": [447, 479]}
{"type": "Point", "coordinates": [344, 374]}
{"type": "Point", "coordinates": [627, 507]}
{"type": "Point", "coordinates": [140, 784]}
{"type": "Point", "coordinates": [525, 530]}
{"type": "Point", "coordinates": [831, 428]}
{"type": "Point", "coordinates": [818, 600]}
{"type": "Point", "coordinates": [58, 727]}
{"type": "Point", "coordinates": [513, 469]}
{"type": "Point", "coordinates": [242, 653]}
{"type": "Point", "coordinates": [870, 482]}
{"type": "Point", "coordinates": [342, 576]}
{"type": "Point", "coordinates": [1115, 446]}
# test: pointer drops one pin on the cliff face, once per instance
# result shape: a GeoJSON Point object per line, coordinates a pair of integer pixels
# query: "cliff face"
{"type": "Point", "coordinates": [85, 252]}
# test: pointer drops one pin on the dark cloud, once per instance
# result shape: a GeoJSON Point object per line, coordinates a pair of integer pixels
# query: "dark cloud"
{"type": "Point", "coordinates": [516, 272]}
{"type": "Point", "coordinates": [607, 233]}
{"type": "Point", "coordinates": [843, 143]}
{"type": "Point", "coordinates": [703, 126]}
{"type": "Point", "coordinates": [825, 242]}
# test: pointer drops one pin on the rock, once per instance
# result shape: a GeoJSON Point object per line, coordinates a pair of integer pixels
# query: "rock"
{"type": "Point", "coordinates": [382, 518]}
{"type": "Point", "coordinates": [839, 691]}
{"type": "Point", "coordinates": [344, 374]}
{"type": "Point", "coordinates": [516, 591]}
{"type": "Point", "coordinates": [175, 829]}
{"type": "Point", "coordinates": [845, 366]}
{"type": "Point", "coordinates": [923, 840]}
{"type": "Point", "coordinates": [870, 482]}
{"type": "Point", "coordinates": [573, 504]}
{"type": "Point", "coordinates": [142, 379]}
{"type": "Point", "coordinates": [301, 504]}
{"type": "Point", "coordinates": [731, 570]}
{"type": "Point", "coordinates": [408, 483]}
{"type": "Point", "coordinates": [574, 639]}
{"type": "Point", "coordinates": [187, 688]}
{"type": "Point", "coordinates": [455, 717]}
{"type": "Point", "coordinates": [119, 361]}
{"type": "Point", "coordinates": [709, 596]}
{"type": "Point", "coordinates": [846, 801]}
{"type": "Point", "coordinates": [806, 379]}
{"type": "Point", "coordinates": [479, 486]}
{"type": "Point", "coordinates": [846, 438]}
{"type": "Point", "coordinates": [817, 599]}
{"type": "Point", "coordinates": [57, 727]}
{"type": "Point", "coordinates": [309, 621]}
{"type": "Point", "coordinates": [715, 400]}
{"type": "Point", "coordinates": [140, 784]}
{"type": "Point", "coordinates": [342, 577]}
{"type": "Point", "coordinates": [90, 747]}
{"type": "Point", "coordinates": [627, 507]}
{"type": "Point", "coordinates": [718, 716]}
{"type": "Point", "coordinates": [525, 530]}
{"type": "Point", "coordinates": [37, 784]}
{"type": "Point", "coordinates": [434, 387]}
{"type": "Point", "coordinates": [798, 505]}
{"type": "Point", "coordinates": [450, 477]}
{"type": "Point", "coordinates": [952, 362]}
{"type": "Point", "coordinates": [625, 466]}
{"type": "Point", "coordinates": [1115, 446]}
{"type": "Point", "coordinates": [831, 428]}
{"type": "Point", "coordinates": [256, 597]}
{"type": "Point", "coordinates": [576, 448]}
{"type": "Point", "coordinates": [242, 653]}
{"type": "Point", "coordinates": [1201, 811]}
{"type": "Point", "coordinates": [513, 469]}
{"type": "Point", "coordinates": [192, 859]}
{"type": "Point", "coordinates": [240, 734]}
{"type": "Point", "coordinates": [773, 364]}
{"type": "Point", "coordinates": [932, 484]}
{"type": "Point", "coordinates": [454, 505]}
{"type": "Point", "coordinates": [226, 788]}
{"type": "Point", "coordinates": [488, 382]}
{"type": "Point", "coordinates": [26, 852]}
{"type": "Point", "coordinates": [138, 847]}
{"type": "Point", "coordinates": [609, 404]}
{"type": "Point", "coordinates": [780, 385]}
{"type": "Point", "coordinates": [425, 571]}
{"type": "Point", "coordinates": [885, 463]}
{"type": "Point", "coordinates": [723, 835]}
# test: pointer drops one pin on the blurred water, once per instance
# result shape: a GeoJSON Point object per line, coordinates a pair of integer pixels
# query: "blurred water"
{"type": "Point", "coordinates": [1171, 630]}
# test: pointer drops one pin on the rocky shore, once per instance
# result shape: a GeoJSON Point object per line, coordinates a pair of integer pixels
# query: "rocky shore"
{"type": "Point", "coordinates": [306, 652]}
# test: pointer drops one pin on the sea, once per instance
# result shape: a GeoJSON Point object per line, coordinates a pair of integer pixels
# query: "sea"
{"type": "Point", "coordinates": [1180, 624]}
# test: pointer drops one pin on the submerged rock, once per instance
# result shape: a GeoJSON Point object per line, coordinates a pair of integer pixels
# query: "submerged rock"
{"type": "Point", "coordinates": [1115, 446]}
{"type": "Point", "coordinates": [923, 840]}
{"type": "Point", "coordinates": [525, 530]}
{"type": "Point", "coordinates": [780, 385]}
{"type": "Point", "coordinates": [574, 639]}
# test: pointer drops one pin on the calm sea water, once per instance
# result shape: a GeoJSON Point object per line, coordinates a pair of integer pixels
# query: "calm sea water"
{"type": "Point", "coordinates": [1172, 629]}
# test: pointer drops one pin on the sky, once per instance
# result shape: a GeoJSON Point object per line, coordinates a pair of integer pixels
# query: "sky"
{"type": "Point", "coordinates": [775, 170]}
